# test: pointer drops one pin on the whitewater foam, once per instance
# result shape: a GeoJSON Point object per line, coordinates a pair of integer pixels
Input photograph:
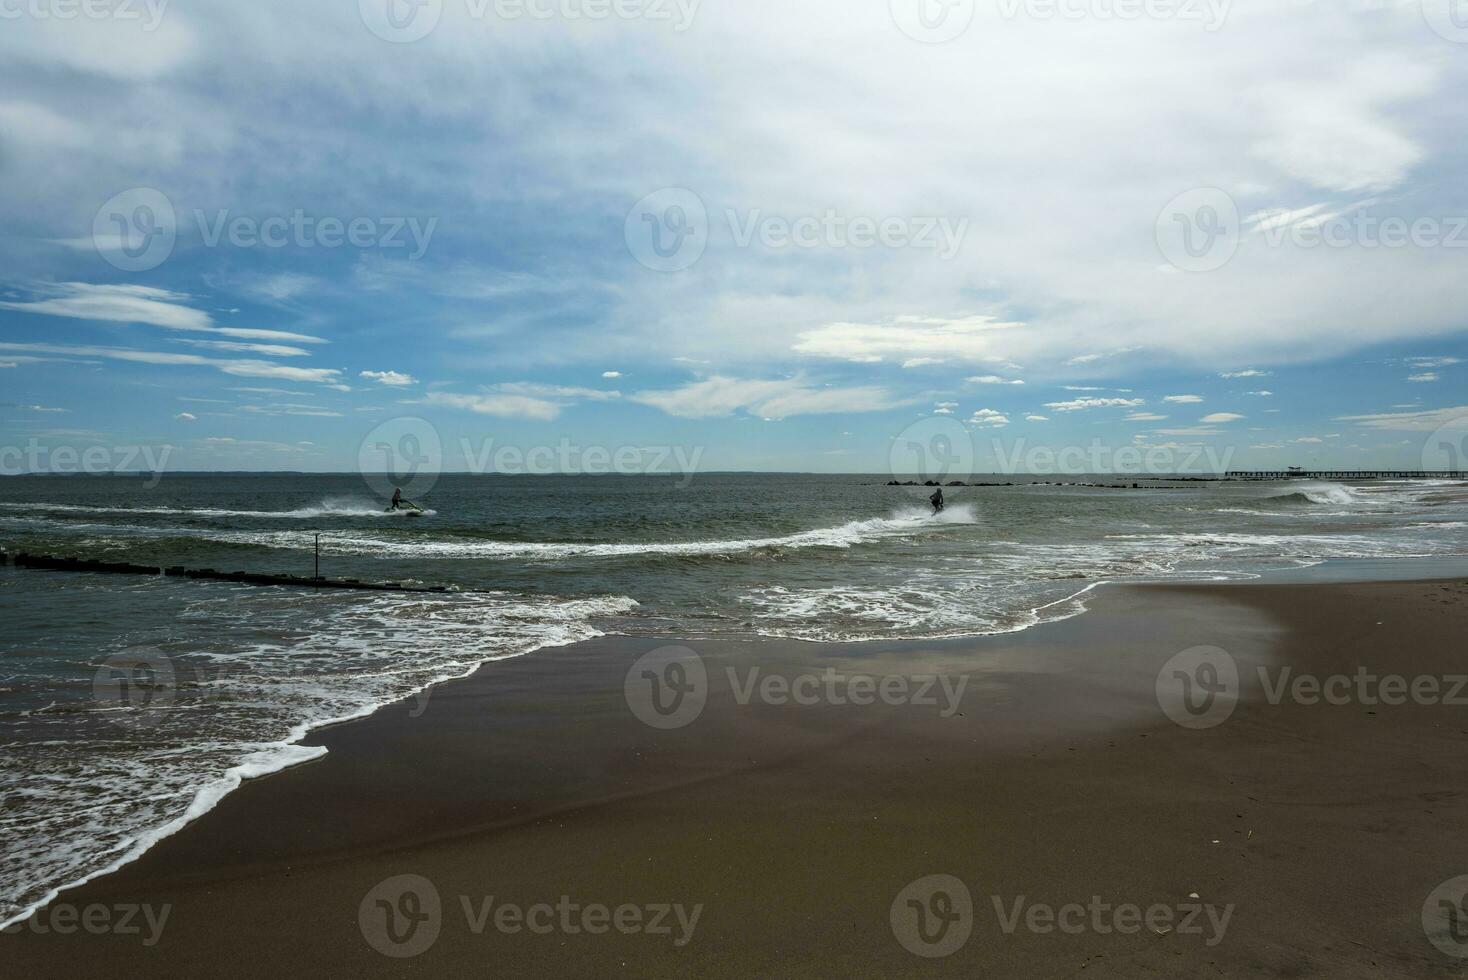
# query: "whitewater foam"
{"type": "Point", "coordinates": [77, 812]}
{"type": "Point", "coordinates": [330, 507]}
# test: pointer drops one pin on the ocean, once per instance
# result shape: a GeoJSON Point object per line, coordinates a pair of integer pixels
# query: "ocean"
{"type": "Point", "coordinates": [130, 705]}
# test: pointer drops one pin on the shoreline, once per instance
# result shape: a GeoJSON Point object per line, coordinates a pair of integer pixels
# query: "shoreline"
{"type": "Point", "coordinates": [540, 755]}
{"type": "Point", "coordinates": [212, 793]}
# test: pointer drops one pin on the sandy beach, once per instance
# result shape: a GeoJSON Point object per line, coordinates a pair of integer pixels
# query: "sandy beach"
{"type": "Point", "coordinates": [778, 838]}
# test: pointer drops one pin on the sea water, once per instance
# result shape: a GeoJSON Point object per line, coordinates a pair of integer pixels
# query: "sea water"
{"type": "Point", "coordinates": [130, 705]}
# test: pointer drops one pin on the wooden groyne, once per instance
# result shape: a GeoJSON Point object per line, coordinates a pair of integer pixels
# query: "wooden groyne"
{"type": "Point", "coordinates": [66, 564]}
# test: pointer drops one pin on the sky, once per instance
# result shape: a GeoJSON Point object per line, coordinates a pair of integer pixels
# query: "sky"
{"type": "Point", "coordinates": [845, 236]}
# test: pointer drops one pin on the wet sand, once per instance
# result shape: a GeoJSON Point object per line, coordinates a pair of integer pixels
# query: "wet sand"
{"type": "Point", "coordinates": [1307, 836]}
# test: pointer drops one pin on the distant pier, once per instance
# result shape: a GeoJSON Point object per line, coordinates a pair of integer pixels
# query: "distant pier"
{"type": "Point", "coordinates": [59, 564]}
{"type": "Point", "coordinates": [1294, 474]}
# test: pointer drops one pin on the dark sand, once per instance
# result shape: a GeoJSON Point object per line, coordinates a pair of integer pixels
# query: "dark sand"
{"type": "Point", "coordinates": [1325, 827]}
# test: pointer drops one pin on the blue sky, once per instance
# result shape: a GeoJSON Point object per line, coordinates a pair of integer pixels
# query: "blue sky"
{"type": "Point", "coordinates": [775, 236]}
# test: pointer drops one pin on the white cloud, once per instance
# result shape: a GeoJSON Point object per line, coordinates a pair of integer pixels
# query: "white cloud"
{"type": "Point", "coordinates": [1427, 376]}
{"type": "Point", "coordinates": [115, 303]}
{"type": "Point", "coordinates": [1433, 362]}
{"type": "Point", "coordinates": [1262, 393]}
{"type": "Point", "coordinates": [505, 406]}
{"type": "Point", "coordinates": [310, 411]}
{"type": "Point", "coordinates": [1037, 418]}
{"type": "Point", "coordinates": [1322, 96]}
{"type": "Point", "coordinates": [1079, 404]}
{"type": "Point", "coordinates": [281, 287]}
{"type": "Point", "coordinates": [186, 417]}
{"type": "Point", "coordinates": [909, 337]}
{"type": "Point", "coordinates": [989, 417]}
{"type": "Point", "coordinates": [992, 379]}
{"type": "Point", "coordinates": [536, 389]}
{"type": "Point", "coordinates": [245, 368]}
{"type": "Point", "coordinates": [1218, 418]}
{"type": "Point", "coordinates": [35, 124]}
{"type": "Point", "coordinates": [1183, 399]}
{"type": "Point", "coordinates": [1423, 421]}
{"type": "Point", "coordinates": [1195, 431]}
{"type": "Point", "coordinates": [611, 374]}
{"type": "Point", "coordinates": [522, 399]}
{"type": "Point", "coordinates": [392, 379]}
{"type": "Point", "coordinates": [917, 362]}
{"type": "Point", "coordinates": [720, 396]}
{"type": "Point", "coordinates": [1249, 373]}
{"type": "Point", "coordinates": [267, 350]}
{"type": "Point", "coordinates": [1145, 417]}
{"type": "Point", "coordinates": [137, 304]}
